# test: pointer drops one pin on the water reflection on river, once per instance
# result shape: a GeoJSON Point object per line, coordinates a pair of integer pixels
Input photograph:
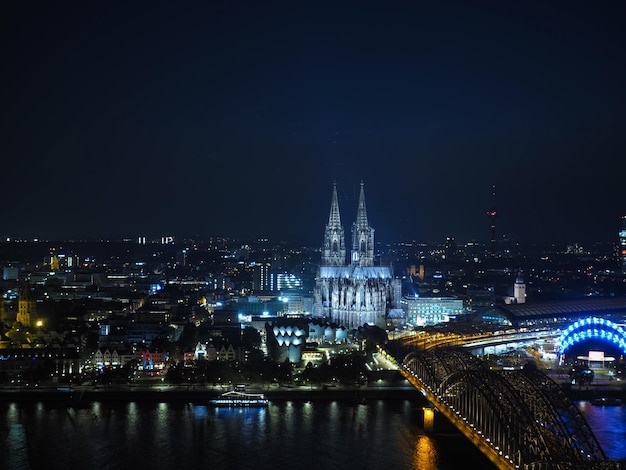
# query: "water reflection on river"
{"type": "Point", "coordinates": [319, 435]}
{"type": "Point", "coordinates": [608, 424]}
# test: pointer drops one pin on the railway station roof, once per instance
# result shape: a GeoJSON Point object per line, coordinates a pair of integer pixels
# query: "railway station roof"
{"type": "Point", "coordinates": [564, 309]}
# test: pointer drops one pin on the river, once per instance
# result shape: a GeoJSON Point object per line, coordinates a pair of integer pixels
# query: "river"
{"type": "Point", "coordinates": [298, 435]}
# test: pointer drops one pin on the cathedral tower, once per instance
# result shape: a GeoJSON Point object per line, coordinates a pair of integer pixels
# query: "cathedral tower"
{"type": "Point", "coordinates": [356, 293]}
{"type": "Point", "coordinates": [362, 236]}
{"type": "Point", "coordinates": [334, 251]}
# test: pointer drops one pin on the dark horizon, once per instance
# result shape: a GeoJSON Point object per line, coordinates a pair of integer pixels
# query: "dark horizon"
{"type": "Point", "coordinates": [179, 240]}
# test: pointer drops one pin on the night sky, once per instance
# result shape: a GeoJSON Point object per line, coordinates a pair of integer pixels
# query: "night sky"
{"type": "Point", "coordinates": [234, 118]}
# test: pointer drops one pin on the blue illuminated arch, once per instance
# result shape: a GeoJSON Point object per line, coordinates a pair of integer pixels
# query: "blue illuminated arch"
{"type": "Point", "coordinates": [593, 328]}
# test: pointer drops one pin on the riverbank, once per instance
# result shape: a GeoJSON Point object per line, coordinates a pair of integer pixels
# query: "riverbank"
{"type": "Point", "coordinates": [594, 391]}
{"type": "Point", "coordinates": [77, 396]}
{"type": "Point", "coordinates": [199, 394]}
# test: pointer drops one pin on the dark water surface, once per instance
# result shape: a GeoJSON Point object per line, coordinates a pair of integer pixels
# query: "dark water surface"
{"type": "Point", "coordinates": [296, 435]}
{"type": "Point", "coordinates": [608, 424]}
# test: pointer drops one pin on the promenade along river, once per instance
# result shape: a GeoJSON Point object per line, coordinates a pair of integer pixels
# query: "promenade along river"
{"type": "Point", "coordinates": [287, 434]}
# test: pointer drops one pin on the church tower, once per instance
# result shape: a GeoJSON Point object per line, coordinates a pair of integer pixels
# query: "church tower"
{"type": "Point", "coordinates": [362, 236]}
{"type": "Point", "coordinates": [26, 307]}
{"type": "Point", "coordinates": [334, 251]}
{"type": "Point", "coordinates": [519, 289]}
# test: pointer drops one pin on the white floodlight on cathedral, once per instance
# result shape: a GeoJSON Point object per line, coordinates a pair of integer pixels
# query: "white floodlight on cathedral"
{"type": "Point", "coordinates": [355, 293]}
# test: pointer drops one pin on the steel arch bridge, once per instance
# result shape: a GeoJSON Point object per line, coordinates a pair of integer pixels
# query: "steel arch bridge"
{"type": "Point", "coordinates": [518, 419]}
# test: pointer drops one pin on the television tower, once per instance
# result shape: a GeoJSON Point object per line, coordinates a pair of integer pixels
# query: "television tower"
{"type": "Point", "coordinates": [622, 244]}
{"type": "Point", "coordinates": [493, 214]}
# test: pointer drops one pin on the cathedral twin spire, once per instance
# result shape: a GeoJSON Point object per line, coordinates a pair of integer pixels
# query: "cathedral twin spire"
{"type": "Point", "coordinates": [334, 250]}
{"type": "Point", "coordinates": [362, 236]}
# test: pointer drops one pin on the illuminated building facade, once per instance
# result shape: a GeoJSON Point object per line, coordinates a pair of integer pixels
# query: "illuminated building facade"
{"type": "Point", "coordinates": [519, 289]}
{"type": "Point", "coordinates": [423, 311]}
{"type": "Point", "coordinates": [286, 338]}
{"type": "Point", "coordinates": [261, 276]}
{"type": "Point", "coordinates": [264, 278]}
{"type": "Point", "coordinates": [593, 339]}
{"type": "Point", "coordinates": [284, 281]}
{"type": "Point", "coordinates": [357, 293]}
{"type": "Point", "coordinates": [10, 273]}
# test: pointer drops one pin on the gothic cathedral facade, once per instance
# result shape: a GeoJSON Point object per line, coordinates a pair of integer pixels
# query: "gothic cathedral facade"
{"type": "Point", "coordinates": [355, 293]}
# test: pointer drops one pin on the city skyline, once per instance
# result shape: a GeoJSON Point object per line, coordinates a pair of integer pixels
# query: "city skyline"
{"type": "Point", "coordinates": [235, 118]}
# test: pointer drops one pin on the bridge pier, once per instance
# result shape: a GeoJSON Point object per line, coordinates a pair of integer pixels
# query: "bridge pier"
{"type": "Point", "coordinates": [429, 419]}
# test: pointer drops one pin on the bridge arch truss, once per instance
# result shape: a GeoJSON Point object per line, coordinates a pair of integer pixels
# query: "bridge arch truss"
{"type": "Point", "coordinates": [523, 415]}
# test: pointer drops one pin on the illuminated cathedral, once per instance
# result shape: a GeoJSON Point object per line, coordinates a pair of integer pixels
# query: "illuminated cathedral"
{"type": "Point", "coordinates": [355, 293]}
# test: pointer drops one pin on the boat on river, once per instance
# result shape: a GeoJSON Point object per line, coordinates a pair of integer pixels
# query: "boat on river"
{"type": "Point", "coordinates": [606, 401]}
{"type": "Point", "coordinates": [236, 398]}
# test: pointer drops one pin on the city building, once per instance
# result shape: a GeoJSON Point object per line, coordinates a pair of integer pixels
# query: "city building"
{"type": "Point", "coordinates": [355, 293]}
{"type": "Point", "coordinates": [519, 289]}
{"type": "Point", "coordinates": [553, 313]}
{"type": "Point", "coordinates": [10, 273]}
{"type": "Point", "coordinates": [261, 276]}
{"type": "Point", "coordinates": [280, 281]}
{"type": "Point", "coordinates": [104, 357]}
{"type": "Point", "coordinates": [287, 338]}
{"type": "Point", "coordinates": [426, 311]}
